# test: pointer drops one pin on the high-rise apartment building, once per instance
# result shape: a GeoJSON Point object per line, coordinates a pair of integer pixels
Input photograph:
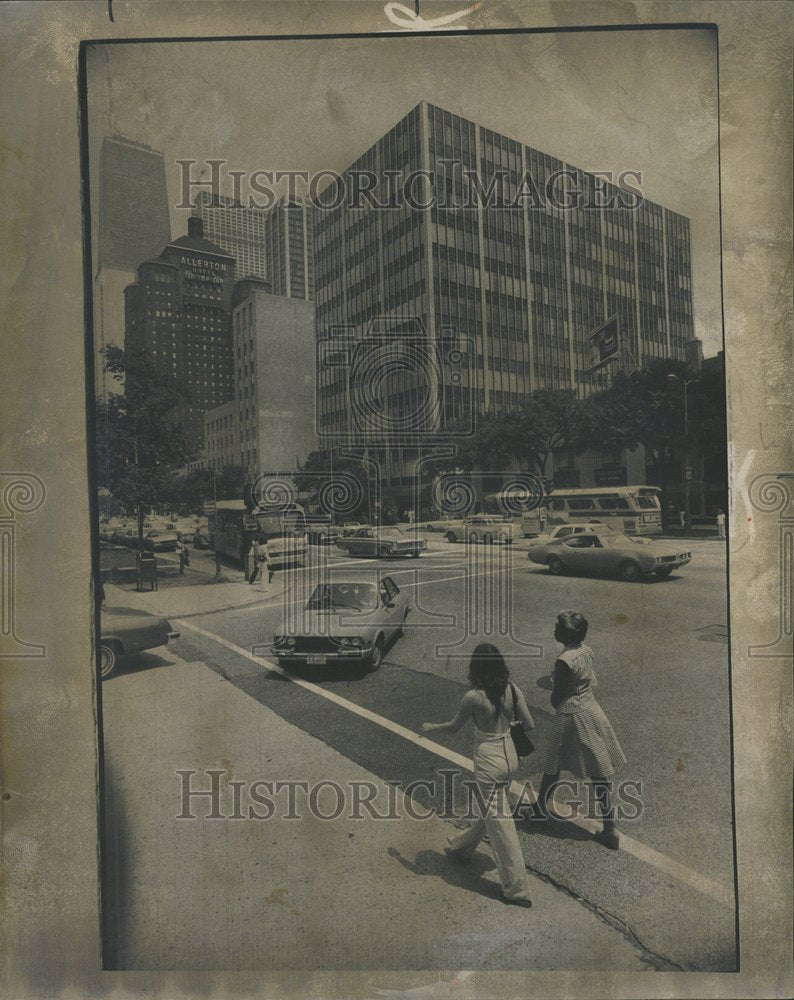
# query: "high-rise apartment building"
{"type": "Point", "coordinates": [238, 229]}
{"type": "Point", "coordinates": [179, 312]}
{"type": "Point", "coordinates": [526, 284]}
{"type": "Point", "coordinates": [133, 225]}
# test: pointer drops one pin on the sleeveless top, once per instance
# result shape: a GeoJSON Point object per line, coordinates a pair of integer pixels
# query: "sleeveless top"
{"type": "Point", "coordinates": [574, 680]}
{"type": "Point", "coordinates": [479, 734]}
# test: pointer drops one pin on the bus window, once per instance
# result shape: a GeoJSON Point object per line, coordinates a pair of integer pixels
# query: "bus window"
{"type": "Point", "coordinates": [558, 503]}
{"type": "Point", "coordinates": [614, 503]}
{"type": "Point", "coordinates": [580, 503]}
{"type": "Point", "coordinates": [648, 503]}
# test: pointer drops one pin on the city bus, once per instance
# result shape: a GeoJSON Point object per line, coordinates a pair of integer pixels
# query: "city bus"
{"type": "Point", "coordinates": [634, 510]}
{"type": "Point", "coordinates": [284, 526]}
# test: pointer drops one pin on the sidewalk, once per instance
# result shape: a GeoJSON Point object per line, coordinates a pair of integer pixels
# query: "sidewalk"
{"type": "Point", "coordinates": [295, 894]}
{"type": "Point", "coordinates": [201, 599]}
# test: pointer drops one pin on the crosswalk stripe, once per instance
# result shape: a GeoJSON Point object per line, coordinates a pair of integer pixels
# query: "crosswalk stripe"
{"type": "Point", "coordinates": [655, 859]}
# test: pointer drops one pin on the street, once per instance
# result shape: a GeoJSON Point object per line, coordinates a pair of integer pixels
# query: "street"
{"type": "Point", "coordinates": [665, 899]}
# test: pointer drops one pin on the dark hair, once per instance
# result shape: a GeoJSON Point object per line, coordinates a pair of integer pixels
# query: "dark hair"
{"type": "Point", "coordinates": [573, 626]}
{"type": "Point", "coordinates": [488, 672]}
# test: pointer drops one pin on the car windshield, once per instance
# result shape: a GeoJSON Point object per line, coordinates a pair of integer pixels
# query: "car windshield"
{"type": "Point", "coordinates": [355, 596]}
{"type": "Point", "coordinates": [391, 533]}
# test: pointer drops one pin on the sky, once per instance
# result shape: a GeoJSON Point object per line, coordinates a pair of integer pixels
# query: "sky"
{"type": "Point", "coordinates": [643, 101]}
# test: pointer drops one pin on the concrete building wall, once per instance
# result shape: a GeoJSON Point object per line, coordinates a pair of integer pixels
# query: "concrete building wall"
{"type": "Point", "coordinates": [274, 370]}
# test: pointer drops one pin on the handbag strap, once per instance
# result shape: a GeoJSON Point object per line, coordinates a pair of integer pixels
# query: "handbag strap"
{"type": "Point", "coordinates": [515, 707]}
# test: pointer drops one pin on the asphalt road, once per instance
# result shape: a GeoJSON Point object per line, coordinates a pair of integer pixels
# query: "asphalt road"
{"type": "Point", "coordinates": [662, 664]}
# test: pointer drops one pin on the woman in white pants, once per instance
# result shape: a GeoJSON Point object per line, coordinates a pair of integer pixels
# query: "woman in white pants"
{"type": "Point", "coordinates": [490, 704]}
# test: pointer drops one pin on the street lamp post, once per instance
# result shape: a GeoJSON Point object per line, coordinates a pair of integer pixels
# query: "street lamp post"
{"type": "Point", "coordinates": [685, 382]}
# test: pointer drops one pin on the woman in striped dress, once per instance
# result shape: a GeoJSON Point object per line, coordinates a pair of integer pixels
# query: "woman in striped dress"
{"type": "Point", "coordinates": [581, 740]}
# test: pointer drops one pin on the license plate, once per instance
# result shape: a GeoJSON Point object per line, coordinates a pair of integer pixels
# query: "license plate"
{"type": "Point", "coordinates": [315, 661]}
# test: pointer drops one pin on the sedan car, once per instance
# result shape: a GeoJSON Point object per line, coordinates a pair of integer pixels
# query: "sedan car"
{"type": "Point", "coordinates": [125, 631]}
{"type": "Point", "coordinates": [561, 531]}
{"type": "Point", "coordinates": [161, 541]}
{"type": "Point", "coordinates": [609, 552]}
{"type": "Point", "coordinates": [345, 620]}
{"type": "Point", "coordinates": [484, 528]}
{"type": "Point", "coordinates": [382, 542]}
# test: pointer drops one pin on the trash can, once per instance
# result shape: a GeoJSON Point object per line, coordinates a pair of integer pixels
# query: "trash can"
{"type": "Point", "coordinates": [146, 565]}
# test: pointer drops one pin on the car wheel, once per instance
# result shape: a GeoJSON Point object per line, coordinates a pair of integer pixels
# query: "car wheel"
{"type": "Point", "coordinates": [556, 566]}
{"type": "Point", "coordinates": [630, 571]}
{"type": "Point", "coordinates": [487, 539]}
{"type": "Point", "coordinates": [451, 536]}
{"type": "Point", "coordinates": [108, 660]}
{"type": "Point", "coordinates": [664, 571]}
{"type": "Point", "coordinates": [430, 527]}
{"type": "Point", "coordinates": [376, 656]}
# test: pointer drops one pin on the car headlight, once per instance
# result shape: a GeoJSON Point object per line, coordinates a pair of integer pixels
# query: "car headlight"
{"type": "Point", "coordinates": [356, 641]}
{"type": "Point", "coordinates": [284, 640]}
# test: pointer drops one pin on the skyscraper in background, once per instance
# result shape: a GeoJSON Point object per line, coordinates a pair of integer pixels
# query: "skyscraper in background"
{"type": "Point", "coordinates": [239, 230]}
{"type": "Point", "coordinates": [179, 312]}
{"type": "Point", "coordinates": [133, 225]}
{"type": "Point", "coordinates": [289, 247]}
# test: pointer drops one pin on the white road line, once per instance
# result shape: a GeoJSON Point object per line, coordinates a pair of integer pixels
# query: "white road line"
{"type": "Point", "coordinates": [661, 862]}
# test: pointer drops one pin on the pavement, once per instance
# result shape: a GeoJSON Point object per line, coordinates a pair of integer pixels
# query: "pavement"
{"type": "Point", "coordinates": [663, 672]}
{"type": "Point", "coordinates": [349, 893]}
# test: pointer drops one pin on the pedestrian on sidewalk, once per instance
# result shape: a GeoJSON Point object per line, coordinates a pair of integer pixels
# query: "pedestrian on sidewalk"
{"type": "Point", "coordinates": [491, 703]}
{"type": "Point", "coordinates": [261, 561]}
{"type": "Point", "coordinates": [721, 523]}
{"type": "Point", "coordinates": [581, 739]}
{"type": "Point", "coordinates": [184, 558]}
{"type": "Point", "coordinates": [682, 519]}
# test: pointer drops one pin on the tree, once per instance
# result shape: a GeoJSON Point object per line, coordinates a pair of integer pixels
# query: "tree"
{"type": "Point", "coordinates": [138, 443]}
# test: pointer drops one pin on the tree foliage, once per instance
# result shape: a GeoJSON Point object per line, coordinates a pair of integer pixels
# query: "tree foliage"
{"type": "Point", "coordinates": [138, 443]}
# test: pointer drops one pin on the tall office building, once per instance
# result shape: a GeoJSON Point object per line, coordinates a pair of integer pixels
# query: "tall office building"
{"type": "Point", "coordinates": [269, 427]}
{"type": "Point", "coordinates": [289, 247]}
{"type": "Point", "coordinates": [179, 311]}
{"type": "Point", "coordinates": [239, 230]}
{"type": "Point", "coordinates": [524, 278]}
{"type": "Point", "coordinates": [527, 284]}
{"type": "Point", "coordinates": [133, 225]}
{"type": "Point", "coordinates": [272, 244]}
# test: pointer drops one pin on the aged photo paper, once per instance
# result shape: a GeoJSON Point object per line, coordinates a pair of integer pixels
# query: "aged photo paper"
{"type": "Point", "coordinates": [397, 493]}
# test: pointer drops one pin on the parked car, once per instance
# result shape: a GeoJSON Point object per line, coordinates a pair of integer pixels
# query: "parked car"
{"type": "Point", "coordinates": [382, 542]}
{"type": "Point", "coordinates": [485, 528]}
{"type": "Point", "coordinates": [124, 631]}
{"type": "Point", "coordinates": [352, 619]}
{"type": "Point", "coordinates": [124, 536]}
{"type": "Point", "coordinates": [609, 552]}
{"type": "Point", "coordinates": [161, 541]}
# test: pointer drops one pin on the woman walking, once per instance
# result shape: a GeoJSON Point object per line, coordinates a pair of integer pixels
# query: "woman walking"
{"type": "Point", "coordinates": [492, 704]}
{"type": "Point", "coordinates": [581, 740]}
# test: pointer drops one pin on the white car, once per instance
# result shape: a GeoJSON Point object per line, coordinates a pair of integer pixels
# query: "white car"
{"type": "Point", "coordinates": [486, 528]}
{"type": "Point", "coordinates": [567, 530]}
